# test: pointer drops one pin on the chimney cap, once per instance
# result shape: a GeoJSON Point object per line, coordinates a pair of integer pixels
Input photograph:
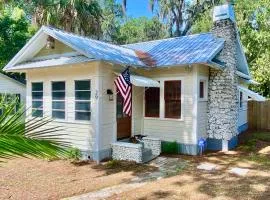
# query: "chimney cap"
{"type": "Point", "coordinates": [223, 12]}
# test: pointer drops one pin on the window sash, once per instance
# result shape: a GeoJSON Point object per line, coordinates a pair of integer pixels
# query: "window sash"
{"type": "Point", "coordinates": [37, 98]}
{"type": "Point", "coordinates": [172, 97]}
{"type": "Point", "coordinates": [202, 89]}
{"type": "Point", "coordinates": [83, 100]}
{"type": "Point", "coordinates": [241, 99]}
{"type": "Point", "coordinates": [58, 100]}
{"type": "Point", "coordinates": [152, 102]}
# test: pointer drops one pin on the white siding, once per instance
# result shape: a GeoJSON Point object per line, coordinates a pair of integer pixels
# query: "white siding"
{"type": "Point", "coordinates": [80, 134]}
{"type": "Point", "coordinates": [180, 130]}
{"type": "Point", "coordinates": [242, 114]}
{"type": "Point", "coordinates": [108, 108]}
{"type": "Point", "coordinates": [10, 86]}
{"type": "Point", "coordinates": [203, 74]}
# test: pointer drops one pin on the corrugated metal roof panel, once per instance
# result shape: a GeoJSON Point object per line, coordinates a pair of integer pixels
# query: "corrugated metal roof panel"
{"type": "Point", "coordinates": [98, 49]}
{"type": "Point", "coordinates": [199, 48]}
{"type": "Point", "coordinates": [52, 62]}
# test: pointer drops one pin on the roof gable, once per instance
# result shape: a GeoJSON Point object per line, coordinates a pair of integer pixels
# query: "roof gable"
{"type": "Point", "coordinates": [59, 48]}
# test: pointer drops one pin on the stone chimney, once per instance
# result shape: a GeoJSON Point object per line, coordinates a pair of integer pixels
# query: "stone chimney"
{"type": "Point", "coordinates": [223, 92]}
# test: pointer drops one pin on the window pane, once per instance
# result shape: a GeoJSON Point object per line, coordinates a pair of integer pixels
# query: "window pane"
{"type": "Point", "coordinates": [37, 95]}
{"type": "Point", "coordinates": [58, 85]}
{"type": "Point", "coordinates": [172, 90]}
{"type": "Point", "coordinates": [82, 95]}
{"type": "Point", "coordinates": [172, 97]}
{"type": "Point", "coordinates": [58, 105]}
{"type": "Point", "coordinates": [58, 114]}
{"type": "Point", "coordinates": [82, 116]}
{"type": "Point", "coordinates": [37, 113]}
{"type": "Point", "coordinates": [201, 89]}
{"type": "Point", "coordinates": [58, 95]}
{"type": "Point", "coordinates": [152, 101]}
{"type": "Point", "coordinates": [84, 106]}
{"type": "Point", "coordinates": [37, 86]}
{"type": "Point", "coordinates": [173, 109]}
{"type": "Point", "coordinates": [82, 85]}
{"type": "Point", "coordinates": [241, 100]}
{"type": "Point", "coordinates": [37, 104]}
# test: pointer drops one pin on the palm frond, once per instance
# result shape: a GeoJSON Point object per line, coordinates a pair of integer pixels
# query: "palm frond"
{"type": "Point", "coordinates": [28, 139]}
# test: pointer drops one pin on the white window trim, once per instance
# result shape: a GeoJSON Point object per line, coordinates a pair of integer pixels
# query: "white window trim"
{"type": "Point", "coordinates": [205, 81]}
{"type": "Point", "coordinates": [162, 100]}
{"type": "Point", "coordinates": [90, 101]}
{"type": "Point", "coordinates": [65, 100]}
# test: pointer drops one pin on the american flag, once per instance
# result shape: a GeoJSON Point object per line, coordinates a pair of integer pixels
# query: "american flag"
{"type": "Point", "coordinates": [123, 85]}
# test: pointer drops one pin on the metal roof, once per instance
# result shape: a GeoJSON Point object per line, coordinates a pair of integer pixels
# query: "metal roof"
{"type": "Point", "coordinates": [253, 95]}
{"type": "Point", "coordinates": [95, 48]}
{"type": "Point", "coordinates": [191, 49]}
{"type": "Point", "coordinates": [52, 62]}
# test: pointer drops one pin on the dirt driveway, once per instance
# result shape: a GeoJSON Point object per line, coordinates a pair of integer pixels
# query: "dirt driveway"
{"type": "Point", "coordinates": [27, 179]}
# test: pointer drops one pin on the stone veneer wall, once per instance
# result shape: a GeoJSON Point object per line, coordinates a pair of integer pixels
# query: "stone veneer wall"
{"type": "Point", "coordinates": [152, 143]}
{"type": "Point", "coordinates": [127, 151]}
{"type": "Point", "coordinates": [223, 93]}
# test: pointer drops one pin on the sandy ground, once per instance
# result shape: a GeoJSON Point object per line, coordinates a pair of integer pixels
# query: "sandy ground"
{"type": "Point", "coordinates": [27, 179]}
{"type": "Point", "coordinates": [194, 184]}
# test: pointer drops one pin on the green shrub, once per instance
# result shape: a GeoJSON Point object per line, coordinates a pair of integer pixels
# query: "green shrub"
{"type": "Point", "coordinates": [74, 154]}
{"type": "Point", "coordinates": [169, 147]}
{"type": "Point", "coordinates": [262, 136]}
{"type": "Point", "coordinates": [113, 164]}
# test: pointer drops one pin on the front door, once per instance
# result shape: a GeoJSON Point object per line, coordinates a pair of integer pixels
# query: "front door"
{"type": "Point", "coordinates": [123, 120]}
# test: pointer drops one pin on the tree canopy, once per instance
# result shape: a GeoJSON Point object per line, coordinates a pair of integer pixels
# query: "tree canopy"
{"type": "Point", "coordinates": [106, 20]}
{"type": "Point", "coordinates": [253, 20]}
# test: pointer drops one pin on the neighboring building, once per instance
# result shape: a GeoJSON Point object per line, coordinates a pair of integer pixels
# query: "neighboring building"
{"type": "Point", "coordinates": [12, 87]}
{"type": "Point", "coordinates": [184, 88]}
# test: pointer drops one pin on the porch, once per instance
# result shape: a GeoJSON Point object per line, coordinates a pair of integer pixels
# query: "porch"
{"type": "Point", "coordinates": [131, 145]}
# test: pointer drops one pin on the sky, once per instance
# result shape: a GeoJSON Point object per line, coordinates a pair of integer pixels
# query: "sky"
{"type": "Point", "coordinates": [138, 8]}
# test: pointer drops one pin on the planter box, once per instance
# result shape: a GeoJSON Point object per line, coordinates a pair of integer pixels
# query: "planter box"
{"type": "Point", "coordinates": [148, 149]}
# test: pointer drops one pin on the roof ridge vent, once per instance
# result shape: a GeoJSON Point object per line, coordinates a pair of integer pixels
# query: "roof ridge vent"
{"type": "Point", "coordinates": [223, 12]}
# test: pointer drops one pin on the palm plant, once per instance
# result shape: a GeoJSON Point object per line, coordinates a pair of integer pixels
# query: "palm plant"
{"type": "Point", "coordinates": [80, 16]}
{"type": "Point", "coordinates": [27, 139]}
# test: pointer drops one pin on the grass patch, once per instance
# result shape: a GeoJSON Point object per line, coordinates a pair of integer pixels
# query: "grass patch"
{"type": "Point", "coordinates": [259, 158]}
{"type": "Point", "coordinates": [116, 166]}
{"type": "Point", "coordinates": [252, 142]}
{"type": "Point", "coordinates": [263, 136]}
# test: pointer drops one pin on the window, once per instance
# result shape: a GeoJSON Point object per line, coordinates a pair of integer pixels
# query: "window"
{"type": "Point", "coordinates": [58, 99]}
{"type": "Point", "coordinates": [37, 99]}
{"type": "Point", "coordinates": [202, 90]}
{"type": "Point", "coordinates": [172, 96]}
{"type": "Point", "coordinates": [152, 101]}
{"type": "Point", "coordinates": [241, 99]}
{"type": "Point", "coordinates": [82, 100]}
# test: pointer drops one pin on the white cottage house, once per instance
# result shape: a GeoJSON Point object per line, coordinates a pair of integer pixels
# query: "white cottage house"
{"type": "Point", "coordinates": [12, 87]}
{"type": "Point", "coordinates": [184, 88]}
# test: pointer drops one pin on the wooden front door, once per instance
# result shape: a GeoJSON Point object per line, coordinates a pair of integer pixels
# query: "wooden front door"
{"type": "Point", "coordinates": [123, 120]}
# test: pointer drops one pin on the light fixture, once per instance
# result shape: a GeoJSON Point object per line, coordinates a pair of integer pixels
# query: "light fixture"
{"type": "Point", "coordinates": [110, 94]}
{"type": "Point", "coordinates": [50, 43]}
